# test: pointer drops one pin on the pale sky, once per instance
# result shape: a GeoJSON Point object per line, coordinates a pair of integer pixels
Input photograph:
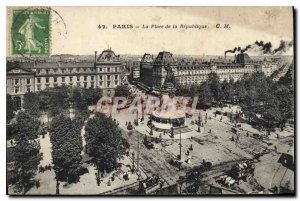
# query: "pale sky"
{"type": "Point", "coordinates": [248, 24]}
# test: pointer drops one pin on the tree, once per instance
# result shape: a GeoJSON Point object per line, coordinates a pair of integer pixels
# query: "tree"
{"type": "Point", "coordinates": [104, 142]}
{"type": "Point", "coordinates": [27, 149]}
{"type": "Point", "coordinates": [213, 82]}
{"type": "Point", "coordinates": [59, 100]}
{"type": "Point", "coordinates": [10, 108]}
{"type": "Point", "coordinates": [32, 103]}
{"type": "Point", "coordinates": [122, 90]}
{"type": "Point", "coordinates": [65, 136]}
{"type": "Point", "coordinates": [91, 95]}
{"type": "Point", "coordinates": [27, 157]}
{"type": "Point", "coordinates": [205, 93]}
{"type": "Point", "coordinates": [26, 127]}
{"type": "Point", "coordinates": [44, 97]}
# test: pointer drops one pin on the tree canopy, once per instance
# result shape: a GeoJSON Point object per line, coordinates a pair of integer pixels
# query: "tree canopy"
{"type": "Point", "coordinates": [104, 142]}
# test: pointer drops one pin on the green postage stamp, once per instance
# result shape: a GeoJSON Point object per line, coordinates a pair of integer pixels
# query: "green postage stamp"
{"type": "Point", "coordinates": [30, 32]}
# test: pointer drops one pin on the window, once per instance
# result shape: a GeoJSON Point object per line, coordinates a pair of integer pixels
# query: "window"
{"type": "Point", "coordinates": [63, 79]}
{"type": "Point", "coordinates": [100, 69]}
{"type": "Point", "coordinates": [116, 82]}
{"type": "Point", "coordinates": [38, 80]}
{"type": "Point", "coordinates": [116, 69]}
{"type": "Point", "coordinates": [47, 79]}
{"type": "Point", "coordinates": [38, 88]}
{"type": "Point", "coordinates": [55, 70]}
{"type": "Point", "coordinates": [71, 70]}
{"type": "Point", "coordinates": [85, 85]}
{"type": "Point", "coordinates": [108, 77]}
{"type": "Point", "coordinates": [91, 69]}
{"type": "Point", "coordinates": [85, 78]}
{"type": "Point", "coordinates": [16, 90]}
{"type": "Point", "coordinates": [92, 78]}
{"type": "Point", "coordinates": [92, 85]}
{"type": "Point", "coordinates": [84, 69]}
{"type": "Point", "coordinates": [28, 81]}
{"type": "Point", "coordinates": [47, 71]}
{"type": "Point", "coordinates": [16, 81]}
{"type": "Point", "coordinates": [38, 71]}
{"type": "Point", "coordinates": [77, 69]}
{"type": "Point", "coordinates": [63, 70]}
{"type": "Point", "coordinates": [108, 69]}
{"type": "Point", "coordinates": [100, 77]}
{"type": "Point", "coordinates": [71, 79]}
{"type": "Point", "coordinates": [28, 89]}
{"type": "Point", "coordinates": [100, 83]}
{"type": "Point", "coordinates": [78, 78]}
{"type": "Point", "coordinates": [55, 79]}
{"type": "Point", "coordinates": [108, 83]}
{"type": "Point", "coordinates": [78, 84]}
{"type": "Point", "coordinates": [116, 77]}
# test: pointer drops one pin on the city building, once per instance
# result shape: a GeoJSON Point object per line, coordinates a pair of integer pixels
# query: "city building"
{"type": "Point", "coordinates": [31, 76]}
{"type": "Point", "coordinates": [153, 72]}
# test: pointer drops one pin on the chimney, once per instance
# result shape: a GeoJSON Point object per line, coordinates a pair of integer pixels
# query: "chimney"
{"type": "Point", "coordinates": [225, 55]}
{"type": "Point", "coordinates": [235, 58]}
{"type": "Point", "coordinates": [95, 56]}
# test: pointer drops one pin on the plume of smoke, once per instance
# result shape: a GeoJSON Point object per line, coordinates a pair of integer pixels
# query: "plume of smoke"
{"type": "Point", "coordinates": [264, 47]}
{"type": "Point", "coordinates": [283, 47]}
{"type": "Point", "coordinates": [245, 49]}
{"type": "Point", "coordinates": [232, 51]}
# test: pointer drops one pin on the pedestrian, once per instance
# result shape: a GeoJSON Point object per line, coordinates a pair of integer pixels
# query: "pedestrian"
{"type": "Point", "coordinates": [247, 134]}
{"type": "Point", "coordinates": [275, 147]}
{"type": "Point", "coordinates": [275, 189]}
{"type": "Point", "coordinates": [57, 188]}
{"type": "Point", "coordinates": [37, 183]}
{"type": "Point", "coordinates": [11, 142]}
{"type": "Point", "coordinates": [191, 147]}
{"type": "Point", "coordinates": [126, 123]}
{"type": "Point", "coordinates": [98, 180]}
{"type": "Point", "coordinates": [188, 152]}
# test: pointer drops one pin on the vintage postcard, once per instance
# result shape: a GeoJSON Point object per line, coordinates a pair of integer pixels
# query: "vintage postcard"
{"type": "Point", "coordinates": [150, 101]}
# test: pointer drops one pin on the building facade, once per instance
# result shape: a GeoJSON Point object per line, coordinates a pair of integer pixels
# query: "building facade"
{"type": "Point", "coordinates": [32, 76]}
{"type": "Point", "coordinates": [153, 73]}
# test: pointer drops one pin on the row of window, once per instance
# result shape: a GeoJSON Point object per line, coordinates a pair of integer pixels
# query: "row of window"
{"type": "Point", "coordinates": [63, 70]}
{"type": "Point", "coordinates": [63, 79]}
{"type": "Point", "coordinates": [28, 81]}
{"type": "Point", "coordinates": [77, 70]}
{"type": "Point", "coordinates": [17, 81]}
{"type": "Point", "coordinates": [85, 85]}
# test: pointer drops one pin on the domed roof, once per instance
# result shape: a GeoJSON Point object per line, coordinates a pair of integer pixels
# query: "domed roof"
{"type": "Point", "coordinates": [108, 56]}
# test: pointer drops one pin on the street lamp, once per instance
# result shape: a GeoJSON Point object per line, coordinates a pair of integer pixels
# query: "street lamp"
{"type": "Point", "coordinates": [199, 119]}
{"type": "Point", "coordinates": [151, 129]}
{"type": "Point", "coordinates": [180, 141]}
{"type": "Point", "coordinates": [132, 161]}
{"type": "Point", "coordinates": [137, 117]}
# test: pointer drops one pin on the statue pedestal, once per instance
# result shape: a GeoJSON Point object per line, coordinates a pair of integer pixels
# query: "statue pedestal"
{"type": "Point", "coordinates": [169, 88]}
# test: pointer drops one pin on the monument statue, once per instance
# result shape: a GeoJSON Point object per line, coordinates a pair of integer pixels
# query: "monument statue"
{"type": "Point", "coordinates": [170, 79]}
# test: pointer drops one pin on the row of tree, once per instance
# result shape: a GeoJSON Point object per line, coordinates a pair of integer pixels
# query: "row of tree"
{"type": "Point", "coordinates": [104, 142]}
{"type": "Point", "coordinates": [59, 99]}
{"type": "Point", "coordinates": [65, 137]}
{"type": "Point", "coordinates": [265, 102]}
{"type": "Point", "coordinates": [25, 150]}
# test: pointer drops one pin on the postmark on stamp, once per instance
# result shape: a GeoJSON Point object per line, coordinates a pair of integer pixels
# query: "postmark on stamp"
{"type": "Point", "coordinates": [30, 32]}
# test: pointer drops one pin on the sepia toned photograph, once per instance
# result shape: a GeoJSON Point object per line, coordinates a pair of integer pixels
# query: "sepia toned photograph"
{"type": "Point", "coordinates": [143, 101]}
